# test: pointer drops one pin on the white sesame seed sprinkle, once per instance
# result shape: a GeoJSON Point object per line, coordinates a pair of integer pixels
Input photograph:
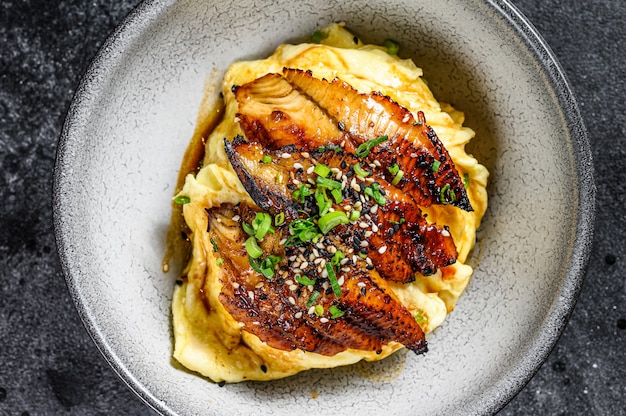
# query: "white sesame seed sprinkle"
{"type": "Point", "coordinates": [311, 310]}
{"type": "Point", "coordinates": [323, 320]}
{"type": "Point", "coordinates": [361, 284]}
{"type": "Point", "coordinates": [310, 170]}
{"type": "Point", "coordinates": [235, 285]}
{"type": "Point", "coordinates": [259, 285]}
{"type": "Point", "coordinates": [368, 234]}
{"type": "Point", "coordinates": [363, 224]}
{"type": "Point", "coordinates": [285, 155]}
{"type": "Point", "coordinates": [374, 209]}
{"type": "Point", "coordinates": [304, 265]}
{"type": "Point", "coordinates": [293, 288]}
{"type": "Point", "coordinates": [236, 218]}
{"type": "Point", "coordinates": [292, 300]}
{"type": "Point", "coordinates": [375, 228]}
{"type": "Point", "coordinates": [298, 315]}
{"type": "Point", "coordinates": [377, 163]}
{"type": "Point", "coordinates": [445, 233]}
{"type": "Point", "coordinates": [292, 258]}
{"type": "Point", "coordinates": [296, 182]}
{"type": "Point", "coordinates": [413, 155]}
{"type": "Point", "coordinates": [382, 249]}
{"type": "Point", "coordinates": [297, 165]}
{"type": "Point", "coordinates": [364, 243]}
{"type": "Point", "coordinates": [283, 241]}
{"type": "Point", "coordinates": [251, 295]}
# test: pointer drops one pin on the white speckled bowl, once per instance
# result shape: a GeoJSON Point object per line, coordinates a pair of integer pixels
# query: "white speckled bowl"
{"type": "Point", "coordinates": [135, 112]}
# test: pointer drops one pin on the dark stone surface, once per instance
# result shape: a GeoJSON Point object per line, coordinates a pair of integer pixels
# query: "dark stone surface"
{"type": "Point", "coordinates": [49, 364]}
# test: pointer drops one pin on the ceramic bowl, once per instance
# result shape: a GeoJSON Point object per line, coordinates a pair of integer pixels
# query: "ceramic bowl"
{"type": "Point", "coordinates": [135, 111]}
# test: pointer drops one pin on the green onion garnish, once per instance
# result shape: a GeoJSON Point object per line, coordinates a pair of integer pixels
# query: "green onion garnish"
{"type": "Point", "coordinates": [262, 224]}
{"type": "Point", "coordinates": [373, 191]}
{"type": "Point", "coordinates": [420, 318]}
{"type": "Point", "coordinates": [219, 262]}
{"type": "Point", "coordinates": [322, 170]}
{"type": "Point", "coordinates": [435, 166]}
{"type": "Point", "coordinates": [305, 280]}
{"type": "Point", "coordinates": [365, 148]}
{"type": "Point", "coordinates": [328, 183]}
{"type": "Point", "coordinates": [319, 310]}
{"type": "Point", "coordinates": [392, 46]}
{"type": "Point", "coordinates": [466, 180]}
{"type": "Point", "coordinates": [314, 296]}
{"type": "Point", "coordinates": [253, 248]}
{"type": "Point", "coordinates": [301, 193]}
{"type": "Point", "coordinates": [397, 178]}
{"type": "Point", "coordinates": [336, 193]}
{"type": "Point", "coordinates": [331, 220]}
{"type": "Point", "coordinates": [248, 228]}
{"type": "Point", "coordinates": [451, 194]}
{"type": "Point", "coordinates": [337, 257]}
{"type": "Point", "coordinates": [215, 247]}
{"type": "Point", "coordinates": [182, 199]}
{"type": "Point", "coordinates": [394, 169]}
{"type": "Point", "coordinates": [279, 219]}
{"type": "Point", "coordinates": [354, 215]}
{"type": "Point", "coordinates": [323, 204]}
{"type": "Point", "coordinates": [333, 280]}
{"type": "Point", "coordinates": [266, 159]}
{"type": "Point", "coordinates": [335, 312]}
{"type": "Point", "coordinates": [360, 171]}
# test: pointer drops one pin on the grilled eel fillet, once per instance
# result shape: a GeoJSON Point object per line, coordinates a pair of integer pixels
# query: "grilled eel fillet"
{"type": "Point", "coordinates": [297, 109]}
{"type": "Point", "coordinates": [279, 311]}
{"type": "Point", "coordinates": [399, 240]}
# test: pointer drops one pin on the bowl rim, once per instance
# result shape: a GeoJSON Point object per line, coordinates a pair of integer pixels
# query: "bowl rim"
{"type": "Point", "coordinates": [147, 11]}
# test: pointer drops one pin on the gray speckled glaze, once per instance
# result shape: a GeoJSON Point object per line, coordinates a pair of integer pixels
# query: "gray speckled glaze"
{"type": "Point", "coordinates": [134, 113]}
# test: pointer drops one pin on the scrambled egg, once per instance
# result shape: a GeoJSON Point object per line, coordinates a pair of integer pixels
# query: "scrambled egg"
{"type": "Point", "coordinates": [207, 339]}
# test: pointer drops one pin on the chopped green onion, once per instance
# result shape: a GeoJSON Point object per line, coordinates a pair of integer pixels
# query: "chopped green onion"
{"type": "Point", "coordinates": [435, 166]}
{"type": "Point", "coordinates": [266, 159]}
{"type": "Point", "coordinates": [305, 280]}
{"type": "Point", "coordinates": [333, 280]}
{"type": "Point", "coordinates": [354, 215]}
{"type": "Point", "coordinates": [215, 247]}
{"type": "Point", "coordinates": [331, 220]}
{"type": "Point", "coordinates": [373, 191]}
{"type": "Point", "coordinates": [323, 204]}
{"type": "Point", "coordinates": [328, 183]}
{"type": "Point", "coordinates": [360, 171]}
{"type": "Point", "coordinates": [397, 178]}
{"type": "Point", "coordinates": [364, 148]}
{"type": "Point", "coordinates": [248, 228]}
{"type": "Point", "coordinates": [279, 178]}
{"type": "Point", "coordinates": [253, 248]}
{"type": "Point", "coordinates": [257, 267]}
{"type": "Point", "coordinates": [392, 46]}
{"type": "Point", "coordinates": [322, 170]}
{"type": "Point", "coordinates": [279, 219]}
{"type": "Point", "coordinates": [401, 221]}
{"type": "Point", "coordinates": [394, 169]}
{"type": "Point", "coordinates": [451, 194]}
{"type": "Point", "coordinates": [335, 312]}
{"type": "Point", "coordinates": [182, 199]}
{"type": "Point", "coordinates": [301, 193]}
{"type": "Point", "coordinates": [337, 257]}
{"type": "Point", "coordinates": [420, 318]}
{"type": "Point", "coordinates": [219, 262]}
{"type": "Point", "coordinates": [314, 296]}
{"type": "Point", "coordinates": [319, 310]}
{"type": "Point", "coordinates": [466, 180]}
{"type": "Point", "coordinates": [336, 193]}
{"type": "Point", "coordinates": [262, 224]}
{"type": "Point", "coordinates": [303, 230]}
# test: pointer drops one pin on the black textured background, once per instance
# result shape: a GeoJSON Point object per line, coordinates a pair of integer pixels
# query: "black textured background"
{"type": "Point", "coordinates": [48, 364]}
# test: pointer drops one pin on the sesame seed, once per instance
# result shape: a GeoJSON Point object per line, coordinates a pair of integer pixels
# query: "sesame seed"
{"type": "Point", "coordinates": [338, 175]}
{"type": "Point", "coordinates": [374, 209]}
{"type": "Point", "coordinates": [295, 264]}
{"type": "Point", "coordinates": [305, 155]}
{"type": "Point", "coordinates": [375, 228]}
{"type": "Point", "coordinates": [317, 253]}
{"type": "Point", "coordinates": [363, 224]}
{"type": "Point", "coordinates": [340, 281]}
{"type": "Point", "coordinates": [311, 181]}
{"type": "Point", "coordinates": [251, 295]}
{"type": "Point", "coordinates": [235, 285]}
{"type": "Point", "coordinates": [296, 182]}
{"type": "Point", "coordinates": [368, 217]}
{"type": "Point", "coordinates": [236, 218]}
{"type": "Point", "coordinates": [368, 261]}
{"type": "Point", "coordinates": [289, 282]}
{"type": "Point", "coordinates": [445, 233]}
{"type": "Point", "coordinates": [347, 207]}
{"type": "Point", "coordinates": [413, 155]}
{"type": "Point", "coordinates": [364, 243]}
{"type": "Point", "coordinates": [368, 234]}
{"type": "Point", "coordinates": [345, 269]}
{"type": "Point", "coordinates": [377, 163]}
{"type": "Point", "coordinates": [311, 310]}
{"type": "Point", "coordinates": [325, 285]}
{"type": "Point", "coordinates": [292, 300]}
{"type": "Point", "coordinates": [293, 288]}
{"type": "Point", "coordinates": [310, 170]}
{"type": "Point", "coordinates": [304, 265]}
{"type": "Point", "coordinates": [296, 271]}
{"type": "Point", "coordinates": [259, 285]}
{"type": "Point", "coordinates": [406, 118]}
{"type": "Point", "coordinates": [256, 323]}
{"type": "Point", "coordinates": [298, 315]}
{"type": "Point", "coordinates": [323, 320]}
{"type": "Point", "coordinates": [382, 249]}
{"type": "Point", "coordinates": [292, 258]}
{"type": "Point", "coordinates": [355, 258]}
{"type": "Point", "coordinates": [285, 155]}
{"type": "Point", "coordinates": [361, 284]}
{"type": "Point", "coordinates": [344, 261]}
{"type": "Point", "coordinates": [369, 180]}
{"type": "Point", "coordinates": [297, 165]}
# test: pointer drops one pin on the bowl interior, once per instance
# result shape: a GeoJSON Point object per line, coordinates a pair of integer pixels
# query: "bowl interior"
{"type": "Point", "coordinates": [135, 112]}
